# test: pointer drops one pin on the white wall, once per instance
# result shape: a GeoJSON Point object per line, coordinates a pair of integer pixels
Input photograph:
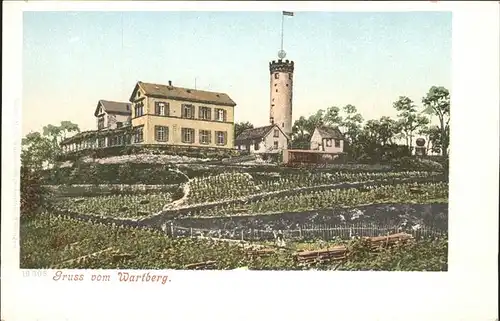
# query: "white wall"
{"type": "Point", "coordinates": [316, 141]}
{"type": "Point", "coordinates": [281, 97]}
{"type": "Point", "coordinates": [317, 144]}
{"type": "Point", "coordinates": [268, 143]}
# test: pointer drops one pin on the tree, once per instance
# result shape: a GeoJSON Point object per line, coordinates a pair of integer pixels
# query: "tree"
{"type": "Point", "coordinates": [241, 127]}
{"type": "Point", "coordinates": [41, 149]}
{"type": "Point", "coordinates": [36, 151]}
{"type": "Point", "coordinates": [303, 128]}
{"type": "Point", "coordinates": [352, 123]}
{"type": "Point", "coordinates": [433, 138]}
{"type": "Point", "coordinates": [332, 117]}
{"type": "Point", "coordinates": [409, 120]}
{"type": "Point", "coordinates": [437, 102]}
{"type": "Point", "coordinates": [300, 133]}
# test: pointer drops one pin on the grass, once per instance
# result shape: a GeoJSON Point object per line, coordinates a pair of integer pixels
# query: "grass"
{"type": "Point", "coordinates": [48, 241]}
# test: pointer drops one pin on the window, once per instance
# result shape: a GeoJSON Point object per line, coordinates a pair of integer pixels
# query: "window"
{"type": "Point", "coordinates": [162, 109]}
{"type": "Point", "coordinates": [205, 137]}
{"type": "Point", "coordinates": [287, 85]}
{"type": "Point", "coordinates": [276, 133]}
{"type": "Point", "coordinates": [187, 135]}
{"type": "Point", "coordinates": [275, 144]}
{"type": "Point", "coordinates": [187, 111]}
{"type": "Point", "coordinates": [101, 142]}
{"type": "Point", "coordinates": [337, 143]}
{"type": "Point", "coordinates": [276, 90]}
{"type": "Point", "coordinates": [282, 124]}
{"type": "Point", "coordinates": [271, 120]}
{"type": "Point", "coordinates": [161, 133]}
{"type": "Point", "coordinates": [221, 138]}
{"type": "Point", "coordinates": [256, 146]}
{"type": "Point", "coordinates": [139, 109]}
{"type": "Point", "coordinates": [100, 122]}
{"type": "Point", "coordinates": [220, 114]}
{"type": "Point", "coordinates": [115, 140]}
{"type": "Point", "coordinates": [328, 143]}
{"type": "Point", "coordinates": [205, 113]}
{"type": "Point", "coordinates": [138, 134]}
{"type": "Point", "coordinates": [276, 75]}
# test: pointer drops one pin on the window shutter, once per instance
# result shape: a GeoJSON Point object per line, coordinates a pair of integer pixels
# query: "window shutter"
{"type": "Point", "coordinates": [225, 114]}
{"type": "Point", "coordinates": [167, 109]}
{"type": "Point", "coordinates": [210, 137]}
{"type": "Point", "coordinates": [209, 114]}
{"type": "Point", "coordinates": [200, 112]}
{"type": "Point", "coordinates": [225, 135]}
{"type": "Point", "coordinates": [157, 108]}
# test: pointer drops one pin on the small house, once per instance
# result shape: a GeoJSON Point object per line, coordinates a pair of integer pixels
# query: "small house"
{"type": "Point", "coordinates": [262, 140]}
{"type": "Point", "coordinates": [112, 114]}
{"type": "Point", "coordinates": [327, 139]}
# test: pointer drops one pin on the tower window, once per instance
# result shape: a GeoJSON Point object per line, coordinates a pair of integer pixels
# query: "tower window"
{"type": "Point", "coordinates": [282, 124]}
{"type": "Point", "coordinates": [287, 85]}
{"type": "Point", "coordinates": [276, 75]}
{"type": "Point", "coordinates": [276, 90]}
{"type": "Point", "coordinates": [275, 85]}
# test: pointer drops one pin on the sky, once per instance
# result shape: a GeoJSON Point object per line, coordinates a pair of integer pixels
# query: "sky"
{"type": "Point", "coordinates": [71, 60]}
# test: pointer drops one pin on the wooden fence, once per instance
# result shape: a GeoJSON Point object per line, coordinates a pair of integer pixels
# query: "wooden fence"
{"type": "Point", "coordinates": [305, 232]}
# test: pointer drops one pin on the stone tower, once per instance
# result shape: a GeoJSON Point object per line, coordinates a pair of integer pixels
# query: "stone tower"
{"type": "Point", "coordinates": [280, 112]}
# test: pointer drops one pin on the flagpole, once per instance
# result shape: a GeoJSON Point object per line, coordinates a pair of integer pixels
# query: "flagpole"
{"type": "Point", "coordinates": [282, 24]}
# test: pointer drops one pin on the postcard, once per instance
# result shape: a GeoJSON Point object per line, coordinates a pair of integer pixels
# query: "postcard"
{"type": "Point", "coordinates": [193, 150]}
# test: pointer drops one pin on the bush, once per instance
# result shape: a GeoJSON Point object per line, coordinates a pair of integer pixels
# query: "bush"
{"type": "Point", "coordinates": [417, 164]}
{"type": "Point", "coordinates": [177, 150]}
{"type": "Point", "coordinates": [128, 173]}
{"type": "Point", "coordinates": [34, 198]}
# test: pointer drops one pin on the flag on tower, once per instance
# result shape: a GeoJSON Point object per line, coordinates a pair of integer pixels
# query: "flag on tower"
{"type": "Point", "coordinates": [288, 13]}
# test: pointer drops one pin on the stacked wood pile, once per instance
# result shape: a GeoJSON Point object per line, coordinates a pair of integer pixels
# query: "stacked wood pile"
{"type": "Point", "coordinates": [340, 252]}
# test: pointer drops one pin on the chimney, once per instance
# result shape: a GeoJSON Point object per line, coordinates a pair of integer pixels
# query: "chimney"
{"type": "Point", "coordinates": [170, 83]}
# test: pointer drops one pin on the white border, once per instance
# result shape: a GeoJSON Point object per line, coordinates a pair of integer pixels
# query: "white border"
{"type": "Point", "coordinates": [467, 292]}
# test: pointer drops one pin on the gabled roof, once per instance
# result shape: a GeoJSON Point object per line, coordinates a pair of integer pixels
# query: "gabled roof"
{"type": "Point", "coordinates": [113, 107]}
{"type": "Point", "coordinates": [184, 94]}
{"type": "Point", "coordinates": [257, 133]}
{"type": "Point", "coordinates": [327, 132]}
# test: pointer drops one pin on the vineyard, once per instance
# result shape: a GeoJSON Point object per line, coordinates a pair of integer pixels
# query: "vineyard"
{"type": "Point", "coordinates": [199, 214]}
{"type": "Point", "coordinates": [52, 242]}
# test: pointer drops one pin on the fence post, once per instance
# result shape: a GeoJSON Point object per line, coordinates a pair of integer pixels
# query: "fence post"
{"type": "Point", "coordinates": [242, 235]}
{"type": "Point", "coordinates": [172, 229]}
{"type": "Point", "coordinates": [300, 232]}
{"type": "Point", "coordinates": [191, 230]}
